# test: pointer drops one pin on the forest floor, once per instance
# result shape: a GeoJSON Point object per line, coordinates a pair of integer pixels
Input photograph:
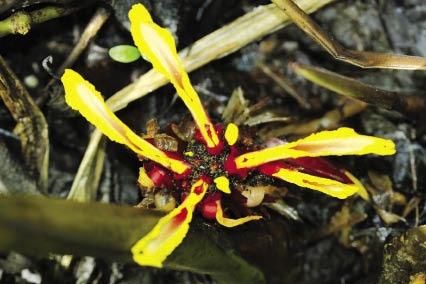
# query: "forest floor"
{"type": "Point", "coordinates": [316, 249]}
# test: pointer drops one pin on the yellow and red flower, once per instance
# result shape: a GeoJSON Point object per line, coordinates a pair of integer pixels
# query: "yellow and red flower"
{"type": "Point", "coordinates": [297, 162]}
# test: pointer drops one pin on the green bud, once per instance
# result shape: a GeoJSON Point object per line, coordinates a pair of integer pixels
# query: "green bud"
{"type": "Point", "coordinates": [124, 53]}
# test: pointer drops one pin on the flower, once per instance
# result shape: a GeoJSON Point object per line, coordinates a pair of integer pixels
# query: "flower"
{"type": "Point", "coordinates": [296, 162]}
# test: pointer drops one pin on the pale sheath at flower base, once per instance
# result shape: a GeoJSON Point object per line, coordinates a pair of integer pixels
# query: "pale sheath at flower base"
{"type": "Point", "coordinates": [296, 162]}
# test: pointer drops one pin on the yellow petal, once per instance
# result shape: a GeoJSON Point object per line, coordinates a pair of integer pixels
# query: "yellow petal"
{"type": "Point", "coordinates": [82, 96]}
{"type": "Point", "coordinates": [231, 134]}
{"type": "Point", "coordinates": [144, 179]}
{"type": "Point", "coordinates": [159, 46]}
{"type": "Point", "coordinates": [222, 183]}
{"type": "Point", "coordinates": [231, 222]}
{"type": "Point", "coordinates": [170, 231]}
{"type": "Point", "coordinates": [325, 185]}
{"type": "Point", "coordinates": [343, 141]}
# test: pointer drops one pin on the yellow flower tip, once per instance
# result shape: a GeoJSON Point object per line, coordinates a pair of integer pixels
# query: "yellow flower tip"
{"type": "Point", "coordinates": [231, 134]}
{"type": "Point", "coordinates": [374, 145]}
{"type": "Point", "coordinates": [343, 141]}
{"type": "Point", "coordinates": [361, 189]}
{"type": "Point", "coordinates": [82, 96]}
{"type": "Point", "coordinates": [226, 222]}
{"type": "Point", "coordinates": [382, 147]}
{"type": "Point", "coordinates": [73, 83]}
{"type": "Point", "coordinates": [153, 251]}
{"type": "Point", "coordinates": [157, 44]}
{"type": "Point", "coordinates": [139, 10]}
{"type": "Point", "coordinates": [189, 154]}
{"type": "Point", "coordinates": [325, 185]}
{"type": "Point", "coordinates": [222, 183]}
{"type": "Point", "coordinates": [144, 179]}
{"type": "Point", "coordinates": [169, 232]}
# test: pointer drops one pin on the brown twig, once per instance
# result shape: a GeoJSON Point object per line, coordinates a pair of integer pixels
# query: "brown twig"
{"type": "Point", "coordinates": [364, 59]}
{"type": "Point", "coordinates": [329, 121]}
{"type": "Point", "coordinates": [31, 124]}
{"type": "Point", "coordinates": [408, 105]}
{"type": "Point", "coordinates": [91, 30]}
{"type": "Point", "coordinates": [286, 85]}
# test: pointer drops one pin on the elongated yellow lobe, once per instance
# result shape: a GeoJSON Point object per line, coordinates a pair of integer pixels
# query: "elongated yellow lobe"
{"type": "Point", "coordinates": [361, 189]}
{"type": "Point", "coordinates": [222, 183]}
{"type": "Point", "coordinates": [169, 232]}
{"type": "Point", "coordinates": [231, 134]}
{"type": "Point", "coordinates": [231, 222]}
{"type": "Point", "coordinates": [159, 46]}
{"type": "Point", "coordinates": [343, 141]}
{"type": "Point", "coordinates": [82, 96]}
{"type": "Point", "coordinates": [144, 179]}
{"type": "Point", "coordinates": [325, 185]}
